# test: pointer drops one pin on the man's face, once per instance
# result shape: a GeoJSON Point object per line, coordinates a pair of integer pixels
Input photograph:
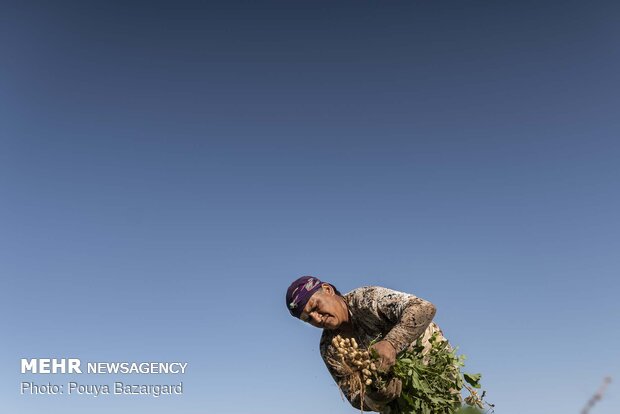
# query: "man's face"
{"type": "Point", "coordinates": [324, 309]}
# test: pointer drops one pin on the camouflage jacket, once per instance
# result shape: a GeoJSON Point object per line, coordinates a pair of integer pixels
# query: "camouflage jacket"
{"type": "Point", "coordinates": [383, 314]}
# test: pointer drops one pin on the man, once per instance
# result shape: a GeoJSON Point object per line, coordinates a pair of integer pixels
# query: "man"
{"type": "Point", "coordinates": [395, 320]}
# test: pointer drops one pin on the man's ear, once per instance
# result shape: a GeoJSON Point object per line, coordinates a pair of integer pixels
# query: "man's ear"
{"type": "Point", "coordinates": [327, 288]}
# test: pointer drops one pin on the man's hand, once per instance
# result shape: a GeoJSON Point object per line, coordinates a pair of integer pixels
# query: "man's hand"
{"type": "Point", "coordinates": [387, 355]}
{"type": "Point", "coordinates": [386, 394]}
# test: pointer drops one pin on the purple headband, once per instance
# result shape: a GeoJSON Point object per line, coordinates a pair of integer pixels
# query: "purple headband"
{"type": "Point", "coordinates": [300, 292]}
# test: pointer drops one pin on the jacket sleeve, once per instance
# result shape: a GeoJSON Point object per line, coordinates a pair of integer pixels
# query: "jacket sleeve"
{"type": "Point", "coordinates": [409, 314]}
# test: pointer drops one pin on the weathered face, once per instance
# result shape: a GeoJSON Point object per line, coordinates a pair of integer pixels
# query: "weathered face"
{"type": "Point", "coordinates": [325, 309]}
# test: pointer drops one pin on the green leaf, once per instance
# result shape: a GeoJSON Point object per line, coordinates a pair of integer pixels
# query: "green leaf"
{"type": "Point", "coordinates": [472, 379]}
{"type": "Point", "coordinates": [430, 380]}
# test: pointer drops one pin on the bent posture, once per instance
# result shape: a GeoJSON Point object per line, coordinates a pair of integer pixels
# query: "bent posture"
{"type": "Point", "coordinates": [367, 313]}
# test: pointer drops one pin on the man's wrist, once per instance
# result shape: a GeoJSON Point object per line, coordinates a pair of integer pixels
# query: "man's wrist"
{"type": "Point", "coordinates": [389, 341]}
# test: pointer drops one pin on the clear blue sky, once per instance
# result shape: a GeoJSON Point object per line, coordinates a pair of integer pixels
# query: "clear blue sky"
{"type": "Point", "coordinates": [168, 168]}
